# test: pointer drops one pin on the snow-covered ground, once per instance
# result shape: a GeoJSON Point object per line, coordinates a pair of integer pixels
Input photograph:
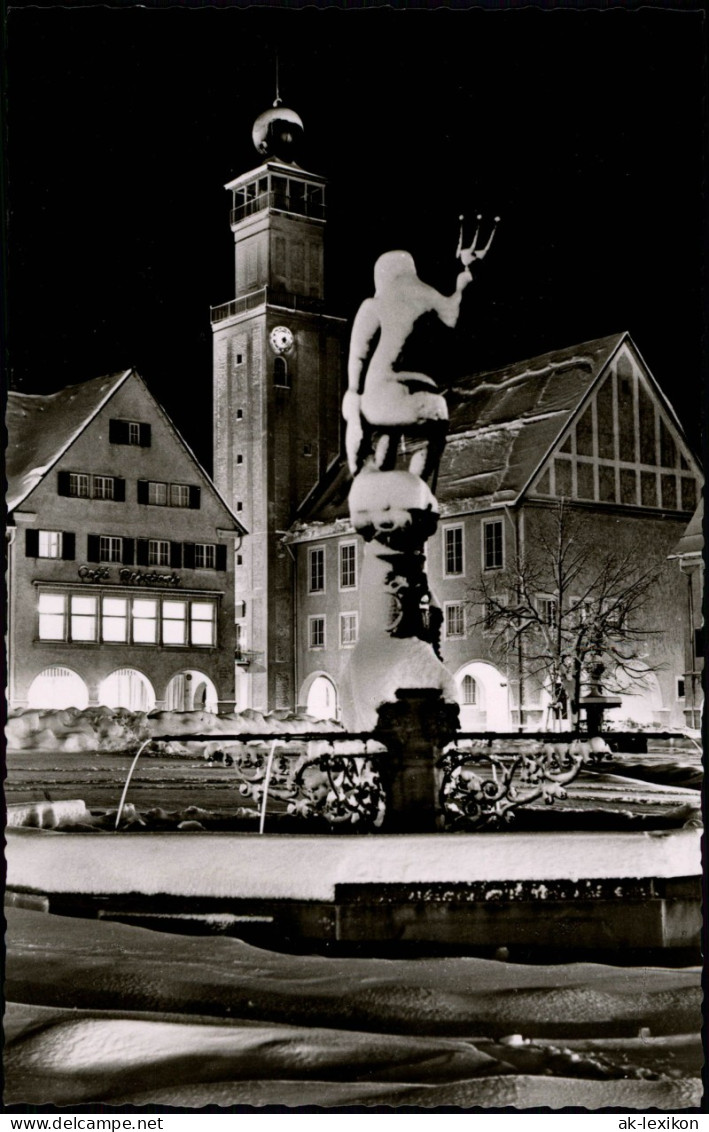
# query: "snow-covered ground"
{"type": "Point", "coordinates": [101, 1012]}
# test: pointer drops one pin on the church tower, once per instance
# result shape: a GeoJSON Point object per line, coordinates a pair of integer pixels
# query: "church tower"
{"type": "Point", "coordinates": [278, 384]}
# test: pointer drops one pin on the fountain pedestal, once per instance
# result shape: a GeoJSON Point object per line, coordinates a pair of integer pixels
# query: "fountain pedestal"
{"type": "Point", "coordinates": [415, 728]}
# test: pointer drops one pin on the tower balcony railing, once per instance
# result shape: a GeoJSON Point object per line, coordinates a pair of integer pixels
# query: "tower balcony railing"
{"type": "Point", "coordinates": [266, 295]}
{"type": "Point", "coordinates": [279, 202]}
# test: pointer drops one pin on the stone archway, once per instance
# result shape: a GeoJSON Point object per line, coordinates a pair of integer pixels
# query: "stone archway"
{"type": "Point", "coordinates": [58, 687]}
{"type": "Point", "coordinates": [191, 691]}
{"type": "Point", "coordinates": [127, 688]}
{"type": "Point", "coordinates": [319, 693]}
{"type": "Point", "coordinates": [483, 697]}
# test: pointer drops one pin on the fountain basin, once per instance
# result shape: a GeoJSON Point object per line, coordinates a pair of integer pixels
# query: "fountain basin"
{"type": "Point", "coordinates": [575, 892]}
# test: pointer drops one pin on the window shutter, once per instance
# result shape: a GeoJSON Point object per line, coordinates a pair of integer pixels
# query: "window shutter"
{"type": "Point", "coordinates": [31, 544]}
{"type": "Point", "coordinates": [128, 551]}
{"type": "Point", "coordinates": [188, 555]}
{"type": "Point", "coordinates": [119, 489]}
{"type": "Point", "coordinates": [68, 546]}
{"type": "Point", "coordinates": [194, 497]}
{"type": "Point", "coordinates": [221, 557]}
{"type": "Point", "coordinates": [141, 551]}
{"type": "Point", "coordinates": [62, 483]}
{"type": "Point", "coordinates": [175, 554]}
{"type": "Point", "coordinates": [145, 436]}
{"type": "Point", "coordinates": [118, 432]}
{"type": "Point", "coordinates": [142, 491]}
{"type": "Point", "coordinates": [93, 548]}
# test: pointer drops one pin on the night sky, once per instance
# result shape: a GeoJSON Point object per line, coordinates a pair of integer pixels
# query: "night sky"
{"type": "Point", "coordinates": [582, 129]}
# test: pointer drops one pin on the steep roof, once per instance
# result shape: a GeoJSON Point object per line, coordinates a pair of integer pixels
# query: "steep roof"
{"type": "Point", "coordinates": [41, 428]}
{"type": "Point", "coordinates": [504, 422]}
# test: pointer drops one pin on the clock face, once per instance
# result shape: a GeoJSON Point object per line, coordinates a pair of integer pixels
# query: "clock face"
{"type": "Point", "coordinates": [281, 339]}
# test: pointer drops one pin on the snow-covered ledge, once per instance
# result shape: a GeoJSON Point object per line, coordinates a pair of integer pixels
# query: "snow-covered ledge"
{"type": "Point", "coordinates": [303, 867]}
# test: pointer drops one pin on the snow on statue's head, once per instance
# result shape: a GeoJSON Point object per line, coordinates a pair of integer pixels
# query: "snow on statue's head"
{"type": "Point", "coordinates": [391, 266]}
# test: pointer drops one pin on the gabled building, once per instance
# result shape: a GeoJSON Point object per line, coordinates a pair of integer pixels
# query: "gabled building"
{"type": "Point", "coordinates": [121, 556]}
{"type": "Point", "coordinates": [588, 425]}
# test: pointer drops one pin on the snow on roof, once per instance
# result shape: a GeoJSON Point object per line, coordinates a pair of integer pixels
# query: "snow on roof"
{"type": "Point", "coordinates": [502, 424]}
{"type": "Point", "coordinates": [41, 427]}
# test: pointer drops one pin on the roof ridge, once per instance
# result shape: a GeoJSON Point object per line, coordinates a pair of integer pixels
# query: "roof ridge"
{"type": "Point", "coordinates": [546, 354]}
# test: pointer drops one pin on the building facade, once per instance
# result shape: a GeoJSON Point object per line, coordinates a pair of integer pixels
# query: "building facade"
{"type": "Point", "coordinates": [121, 556]}
{"type": "Point", "coordinates": [588, 426]}
{"type": "Point", "coordinates": [688, 554]}
{"type": "Point", "coordinates": [277, 375]}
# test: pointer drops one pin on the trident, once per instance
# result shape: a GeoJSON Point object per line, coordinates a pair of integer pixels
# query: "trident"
{"type": "Point", "coordinates": [467, 255]}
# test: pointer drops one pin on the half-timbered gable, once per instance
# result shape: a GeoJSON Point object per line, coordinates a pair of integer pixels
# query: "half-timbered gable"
{"type": "Point", "coordinates": [623, 445]}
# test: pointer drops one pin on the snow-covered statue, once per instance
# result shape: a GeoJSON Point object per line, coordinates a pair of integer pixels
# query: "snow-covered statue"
{"type": "Point", "coordinates": [392, 409]}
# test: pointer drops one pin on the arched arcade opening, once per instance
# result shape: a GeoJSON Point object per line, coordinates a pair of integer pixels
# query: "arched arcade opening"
{"type": "Point", "coordinates": [127, 688]}
{"type": "Point", "coordinates": [58, 687]}
{"type": "Point", "coordinates": [483, 697]}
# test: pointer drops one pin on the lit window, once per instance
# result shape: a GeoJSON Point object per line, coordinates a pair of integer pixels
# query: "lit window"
{"type": "Point", "coordinates": [348, 566]}
{"type": "Point", "coordinates": [316, 634]}
{"type": "Point", "coordinates": [157, 493]}
{"type": "Point", "coordinates": [316, 571]}
{"type": "Point", "coordinates": [83, 618]}
{"type": "Point", "coordinates": [493, 545]}
{"type": "Point", "coordinates": [174, 623]}
{"type": "Point", "coordinates": [103, 487]}
{"type": "Point", "coordinates": [455, 619]}
{"type": "Point", "coordinates": [204, 555]}
{"type": "Point", "coordinates": [202, 623]}
{"type": "Point", "coordinates": [179, 495]}
{"type": "Point", "coordinates": [79, 485]}
{"type": "Point", "coordinates": [453, 550]}
{"type": "Point", "coordinates": [145, 621]}
{"type": "Point", "coordinates": [50, 544]}
{"type": "Point", "coordinates": [348, 629]}
{"type": "Point", "coordinates": [158, 552]}
{"type": "Point", "coordinates": [110, 549]}
{"type": "Point", "coordinates": [114, 619]}
{"type": "Point", "coordinates": [52, 613]}
{"type": "Point", "coordinates": [470, 691]}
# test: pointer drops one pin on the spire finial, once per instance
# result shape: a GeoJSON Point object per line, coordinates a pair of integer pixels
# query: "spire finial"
{"type": "Point", "coordinates": [278, 100]}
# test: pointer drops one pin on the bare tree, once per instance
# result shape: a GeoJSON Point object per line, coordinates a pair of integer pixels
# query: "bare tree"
{"type": "Point", "coordinates": [568, 614]}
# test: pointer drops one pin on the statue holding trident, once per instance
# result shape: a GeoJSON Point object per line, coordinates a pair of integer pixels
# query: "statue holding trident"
{"type": "Point", "coordinates": [381, 396]}
{"type": "Point", "coordinates": [394, 509]}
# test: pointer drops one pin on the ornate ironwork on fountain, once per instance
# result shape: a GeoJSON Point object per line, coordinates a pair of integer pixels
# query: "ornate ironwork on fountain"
{"type": "Point", "coordinates": [337, 782]}
{"type": "Point", "coordinates": [482, 789]}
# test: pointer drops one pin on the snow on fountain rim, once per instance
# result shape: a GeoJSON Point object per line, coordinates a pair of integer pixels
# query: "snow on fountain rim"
{"type": "Point", "coordinates": [309, 867]}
